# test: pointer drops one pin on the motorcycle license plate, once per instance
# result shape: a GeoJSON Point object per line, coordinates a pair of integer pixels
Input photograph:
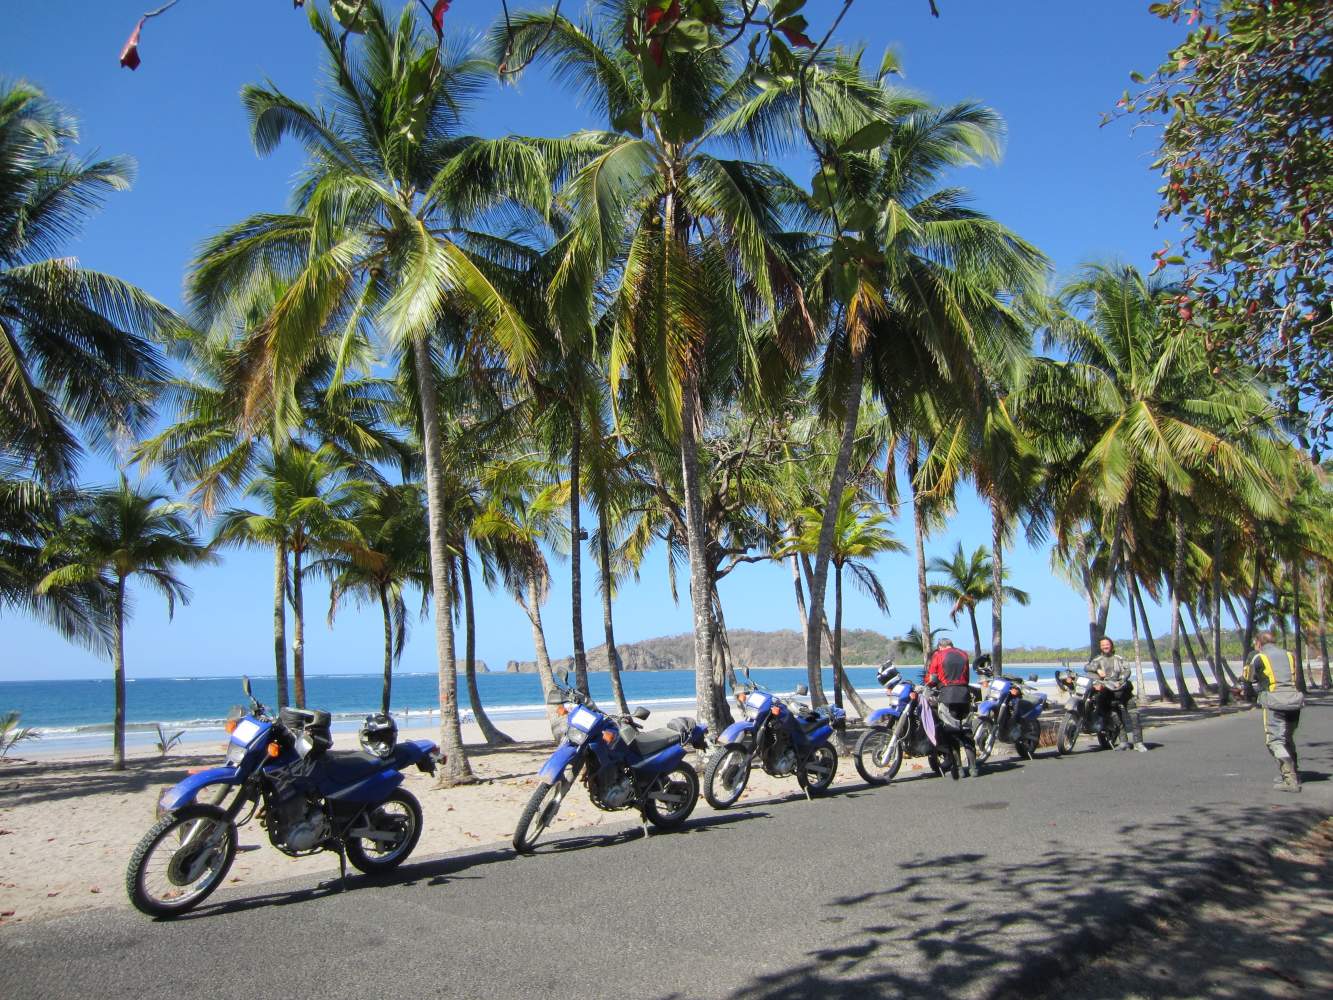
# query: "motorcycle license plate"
{"type": "Point", "coordinates": [245, 732]}
{"type": "Point", "coordinates": [582, 719]}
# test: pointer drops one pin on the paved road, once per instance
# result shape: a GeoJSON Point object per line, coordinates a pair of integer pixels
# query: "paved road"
{"type": "Point", "coordinates": [926, 888]}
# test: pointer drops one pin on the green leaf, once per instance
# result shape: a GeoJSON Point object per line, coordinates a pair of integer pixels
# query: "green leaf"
{"type": "Point", "coordinates": [688, 36]}
{"type": "Point", "coordinates": [350, 14]}
{"type": "Point", "coordinates": [867, 137]}
{"type": "Point", "coordinates": [785, 8]}
{"type": "Point", "coordinates": [630, 121]}
{"type": "Point", "coordinates": [679, 125]}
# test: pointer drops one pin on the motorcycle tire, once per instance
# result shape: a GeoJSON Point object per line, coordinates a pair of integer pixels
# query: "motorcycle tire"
{"type": "Point", "coordinates": [408, 822]}
{"type": "Point", "coordinates": [984, 737]}
{"type": "Point", "coordinates": [724, 796]}
{"type": "Point", "coordinates": [820, 767]}
{"type": "Point", "coordinates": [950, 763]}
{"type": "Point", "coordinates": [1067, 736]}
{"type": "Point", "coordinates": [874, 743]}
{"type": "Point", "coordinates": [142, 870]}
{"type": "Point", "coordinates": [684, 775]}
{"type": "Point", "coordinates": [538, 814]}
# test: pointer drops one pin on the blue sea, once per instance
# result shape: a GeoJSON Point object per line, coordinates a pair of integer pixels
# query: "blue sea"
{"type": "Point", "coordinates": [76, 715]}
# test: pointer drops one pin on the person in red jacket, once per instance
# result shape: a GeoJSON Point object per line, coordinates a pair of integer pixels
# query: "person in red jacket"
{"type": "Point", "coordinates": [949, 673]}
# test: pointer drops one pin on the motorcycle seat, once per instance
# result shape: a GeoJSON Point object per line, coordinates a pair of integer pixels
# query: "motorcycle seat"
{"type": "Point", "coordinates": [650, 741]}
{"type": "Point", "coordinates": [345, 767]}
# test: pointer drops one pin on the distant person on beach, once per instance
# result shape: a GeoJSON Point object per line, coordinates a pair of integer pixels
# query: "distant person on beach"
{"type": "Point", "coordinates": [1273, 671]}
{"type": "Point", "coordinates": [1110, 668]}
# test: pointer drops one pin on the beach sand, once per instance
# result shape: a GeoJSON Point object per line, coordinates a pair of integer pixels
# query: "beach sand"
{"type": "Point", "coordinates": [68, 826]}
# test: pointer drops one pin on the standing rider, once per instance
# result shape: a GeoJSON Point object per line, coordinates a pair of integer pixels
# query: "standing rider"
{"type": "Point", "coordinates": [1110, 668]}
{"type": "Point", "coordinates": [1273, 671]}
{"type": "Point", "coordinates": [948, 672]}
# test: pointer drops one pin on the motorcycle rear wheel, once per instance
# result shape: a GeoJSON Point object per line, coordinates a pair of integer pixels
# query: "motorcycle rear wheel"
{"type": "Point", "coordinates": [199, 842]}
{"type": "Point", "coordinates": [400, 813]}
{"type": "Point", "coordinates": [877, 756]}
{"type": "Point", "coordinates": [537, 815]}
{"type": "Point", "coordinates": [984, 737]}
{"type": "Point", "coordinates": [1068, 736]}
{"type": "Point", "coordinates": [820, 767]}
{"type": "Point", "coordinates": [725, 777]}
{"type": "Point", "coordinates": [683, 784]}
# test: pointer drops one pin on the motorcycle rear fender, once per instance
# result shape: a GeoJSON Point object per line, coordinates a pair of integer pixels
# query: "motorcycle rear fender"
{"type": "Point", "coordinates": [555, 764]}
{"type": "Point", "coordinates": [376, 788]}
{"type": "Point", "coordinates": [737, 731]}
{"type": "Point", "coordinates": [884, 716]}
{"type": "Point", "coordinates": [184, 792]}
{"type": "Point", "coordinates": [660, 762]}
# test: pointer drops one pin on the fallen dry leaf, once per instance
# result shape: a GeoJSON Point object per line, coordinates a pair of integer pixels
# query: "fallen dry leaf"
{"type": "Point", "coordinates": [94, 889]}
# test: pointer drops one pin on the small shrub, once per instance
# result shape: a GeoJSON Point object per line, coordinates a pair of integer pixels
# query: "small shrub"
{"type": "Point", "coordinates": [11, 733]}
{"type": "Point", "coordinates": [164, 744]}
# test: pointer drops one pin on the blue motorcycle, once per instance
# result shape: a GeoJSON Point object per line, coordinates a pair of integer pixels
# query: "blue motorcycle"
{"type": "Point", "coordinates": [305, 796]}
{"type": "Point", "coordinates": [911, 726]}
{"type": "Point", "coordinates": [785, 739]}
{"type": "Point", "coordinates": [1005, 716]}
{"type": "Point", "coordinates": [622, 766]}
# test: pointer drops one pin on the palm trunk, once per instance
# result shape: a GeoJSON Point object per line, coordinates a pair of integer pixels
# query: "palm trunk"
{"type": "Point", "coordinates": [1204, 652]}
{"type": "Point", "coordinates": [997, 591]}
{"type": "Point", "coordinates": [1199, 678]}
{"type": "Point", "coordinates": [919, 530]}
{"type": "Point", "coordinates": [1296, 623]}
{"type": "Point", "coordinates": [697, 542]}
{"type": "Point", "coordinates": [612, 653]}
{"type": "Point", "coordinates": [1178, 578]}
{"type": "Point", "coordinates": [1251, 599]}
{"type": "Point", "coordinates": [387, 689]}
{"type": "Point", "coordinates": [118, 666]}
{"type": "Point", "coordinates": [1325, 681]}
{"type": "Point", "coordinates": [843, 685]}
{"type": "Point", "coordinates": [298, 629]}
{"type": "Point", "coordinates": [976, 633]}
{"type": "Point", "coordinates": [456, 769]}
{"type": "Point", "coordinates": [1227, 678]}
{"type": "Point", "coordinates": [489, 733]}
{"type": "Point", "coordinates": [280, 622]}
{"type": "Point", "coordinates": [544, 671]}
{"type": "Point", "coordinates": [815, 677]}
{"type": "Point", "coordinates": [851, 411]}
{"type": "Point", "coordinates": [1138, 652]}
{"type": "Point", "coordinates": [576, 556]}
{"type": "Point", "coordinates": [1224, 680]}
{"type": "Point", "coordinates": [1163, 688]}
{"type": "Point", "coordinates": [1097, 625]}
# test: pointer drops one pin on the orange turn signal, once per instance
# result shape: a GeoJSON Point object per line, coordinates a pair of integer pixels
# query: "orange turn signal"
{"type": "Point", "coordinates": [914, 696]}
{"type": "Point", "coordinates": [775, 710]}
{"type": "Point", "coordinates": [561, 710]}
{"type": "Point", "coordinates": [608, 737]}
{"type": "Point", "coordinates": [230, 725]}
{"type": "Point", "coordinates": [274, 749]}
{"type": "Point", "coordinates": [740, 696]}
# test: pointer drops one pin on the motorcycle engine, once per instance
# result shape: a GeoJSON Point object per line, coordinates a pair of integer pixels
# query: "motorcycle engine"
{"type": "Point", "coordinates": [780, 758]}
{"type": "Point", "coordinates": [611, 789]}
{"type": "Point", "coordinates": [302, 824]}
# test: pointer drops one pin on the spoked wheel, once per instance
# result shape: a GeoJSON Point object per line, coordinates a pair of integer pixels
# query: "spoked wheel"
{"type": "Point", "coordinates": [820, 767]}
{"type": "Point", "coordinates": [1068, 735]}
{"type": "Point", "coordinates": [984, 737]}
{"type": "Point", "coordinates": [672, 798]}
{"type": "Point", "coordinates": [538, 813]}
{"type": "Point", "coordinates": [725, 777]}
{"type": "Point", "coordinates": [387, 835]}
{"type": "Point", "coordinates": [182, 859]}
{"type": "Point", "coordinates": [878, 756]}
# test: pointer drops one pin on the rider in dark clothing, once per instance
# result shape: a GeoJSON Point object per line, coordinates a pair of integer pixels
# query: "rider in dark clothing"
{"type": "Point", "coordinates": [949, 674]}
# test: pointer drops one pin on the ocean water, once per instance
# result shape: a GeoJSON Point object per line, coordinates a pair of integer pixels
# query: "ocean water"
{"type": "Point", "coordinates": [76, 715]}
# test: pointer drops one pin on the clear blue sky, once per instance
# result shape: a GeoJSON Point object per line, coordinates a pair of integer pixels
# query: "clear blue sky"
{"type": "Point", "coordinates": [1079, 191]}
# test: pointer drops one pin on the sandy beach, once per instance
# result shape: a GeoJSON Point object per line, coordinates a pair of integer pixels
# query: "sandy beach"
{"type": "Point", "coordinates": [68, 826]}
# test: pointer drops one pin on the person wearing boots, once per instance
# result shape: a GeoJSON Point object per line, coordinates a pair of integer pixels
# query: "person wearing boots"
{"type": "Point", "coordinates": [1110, 668]}
{"type": "Point", "coordinates": [948, 673]}
{"type": "Point", "coordinates": [1272, 670]}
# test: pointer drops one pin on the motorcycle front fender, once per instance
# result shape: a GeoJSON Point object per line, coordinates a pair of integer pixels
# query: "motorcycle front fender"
{"type": "Point", "coordinates": [184, 792]}
{"type": "Point", "coordinates": [738, 732]}
{"type": "Point", "coordinates": [555, 765]}
{"type": "Point", "coordinates": [882, 717]}
{"type": "Point", "coordinates": [986, 708]}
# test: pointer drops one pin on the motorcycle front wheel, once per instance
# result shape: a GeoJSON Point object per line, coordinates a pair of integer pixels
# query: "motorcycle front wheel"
{"type": "Point", "coordinates": [181, 860]}
{"type": "Point", "coordinates": [727, 774]}
{"type": "Point", "coordinates": [537, 815]}
{"type": "Point", "coordinates": [984, 737]}
{"type": "Point", "coordinates": [672, 798]}
{"type": "Point", "coordinates": [820, 767]}
{"type": "Point", "coordinates": [390, 832]}
{"type": "Point", "coordinates": [878, 756]}
{"type": "Point", "coordinates": [1068, 735]}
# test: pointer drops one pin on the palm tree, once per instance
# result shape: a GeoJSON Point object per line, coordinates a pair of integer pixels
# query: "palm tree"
{"type": "Point", "coordinates": [76, 345]}
{"type": "Point", "coordinates": [110, 536]}
{"type": "Point", "coordinates": [309, 498]}
{"type": "Point", "coordinates": [379, 241]}
{"type": "Point", "coordinates": [861, 534]}
{"type": "Point", "coordinates": [386, 557]}
{"type": "Point", "coordinates": [968, 580]}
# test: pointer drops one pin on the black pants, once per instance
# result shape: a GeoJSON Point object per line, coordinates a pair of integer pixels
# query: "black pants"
{"type": "Point", "coordinates": [959, 711]}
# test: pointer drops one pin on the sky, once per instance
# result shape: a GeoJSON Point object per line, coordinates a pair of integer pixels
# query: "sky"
{"type": "Point", "coordinates": [1078, 190]}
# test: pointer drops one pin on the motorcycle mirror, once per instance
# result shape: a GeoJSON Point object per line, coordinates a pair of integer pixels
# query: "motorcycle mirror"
{"type": "Point", "coordinates": [1033, 677]}
{"type": "Point", "coordinates": [802, 690]}
{"type": "Point", "coordinates": [245, 686]}
{"type": "Point", "coordinates": [554, 697]}
{"type": "Point", "coordinates": [641, 713]}
{"type": "Point", "coordinates": [564, 678]}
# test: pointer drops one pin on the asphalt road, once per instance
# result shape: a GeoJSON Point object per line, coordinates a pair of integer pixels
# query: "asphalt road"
{"type": "Point", "coordinates": [928, 887]}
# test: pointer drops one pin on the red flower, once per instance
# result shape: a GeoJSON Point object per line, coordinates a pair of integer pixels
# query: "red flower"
{"type": "Point", "coordinates": [437, 16]}
{"type": "Point", "coordinates": [129, 55]}
{"type": "Point", "coordinates": [797, 37]}
{"type": "Point", "coordinates": [655, 15]}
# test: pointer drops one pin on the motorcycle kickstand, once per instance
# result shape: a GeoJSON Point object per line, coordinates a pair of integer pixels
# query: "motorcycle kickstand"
{"type": "Point", "coordinates": [342, 866]}
{"type": "Point", "coordinates": [643, 822]}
